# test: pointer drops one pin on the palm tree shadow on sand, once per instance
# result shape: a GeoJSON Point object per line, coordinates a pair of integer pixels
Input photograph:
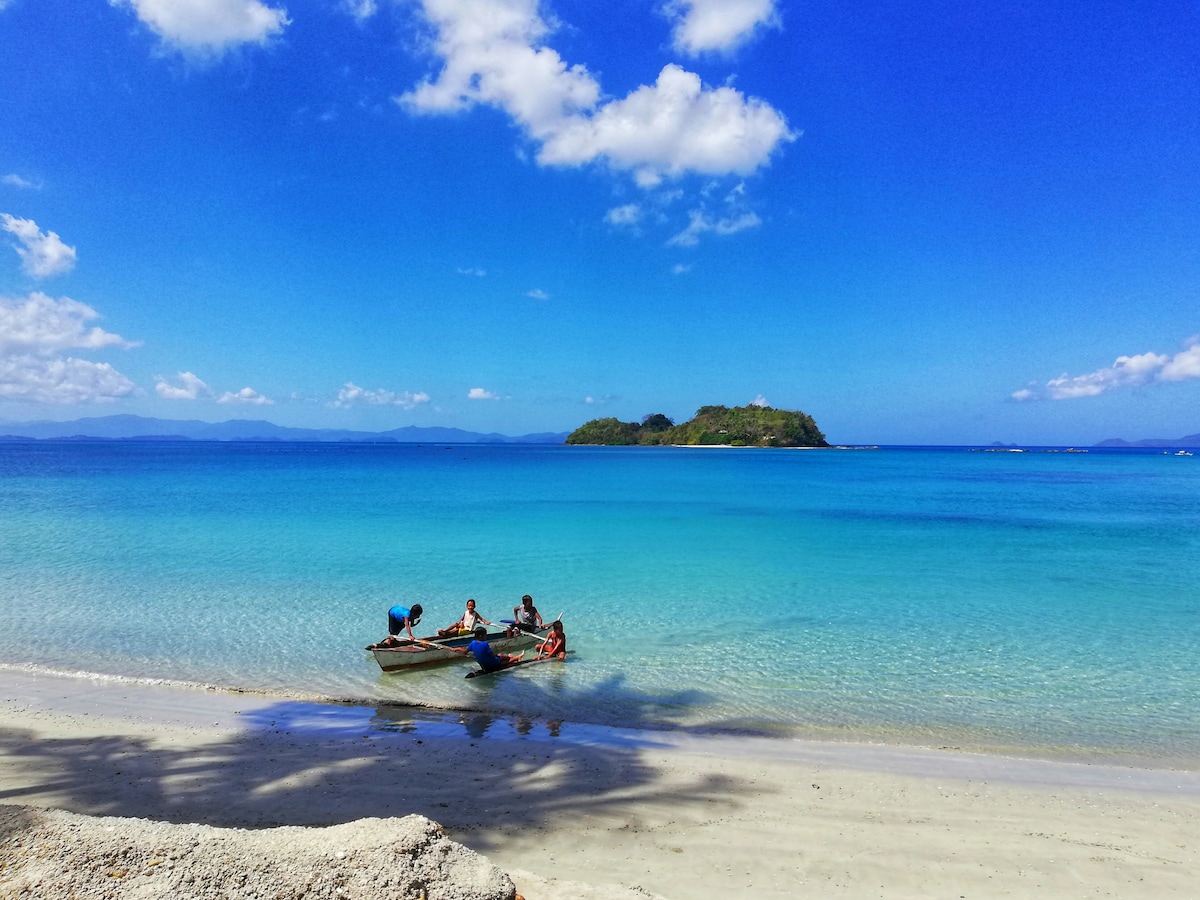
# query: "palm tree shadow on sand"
{"type": "Point", "coordinates": [478, 772]}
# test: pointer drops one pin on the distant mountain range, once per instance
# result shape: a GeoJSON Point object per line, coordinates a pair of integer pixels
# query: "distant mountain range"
{"type": "Point", "coordinates": [1191, 440]}
{"type": "Point", "coordinates": [125, 428]}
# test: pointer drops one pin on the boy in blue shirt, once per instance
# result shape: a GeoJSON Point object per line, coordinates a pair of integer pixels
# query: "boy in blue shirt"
{"type": "Point", "coordinates": [489, 660]}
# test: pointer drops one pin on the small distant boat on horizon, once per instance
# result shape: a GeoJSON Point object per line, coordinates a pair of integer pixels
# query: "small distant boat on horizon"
{"type": "Point", "coordinates": [1184, 453]}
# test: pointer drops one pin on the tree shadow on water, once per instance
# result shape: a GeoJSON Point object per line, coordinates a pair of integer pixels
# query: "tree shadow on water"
{"type": "Point", "coordinates": [479, 772]}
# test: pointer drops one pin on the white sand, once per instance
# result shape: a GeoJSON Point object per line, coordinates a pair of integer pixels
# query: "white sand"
{"type": "Point", "coordinates": [628, 814]}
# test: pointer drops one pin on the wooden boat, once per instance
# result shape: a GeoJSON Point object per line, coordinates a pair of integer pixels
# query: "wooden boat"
{"type": "Point", "coordinates": [434, 651]}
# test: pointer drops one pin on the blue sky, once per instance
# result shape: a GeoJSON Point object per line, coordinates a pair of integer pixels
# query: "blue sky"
{"type": "Point", "coordinates": [919, 222]}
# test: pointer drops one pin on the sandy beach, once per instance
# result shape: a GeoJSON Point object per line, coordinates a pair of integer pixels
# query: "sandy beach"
{"type": "Point", "coordinates": [574, 811]}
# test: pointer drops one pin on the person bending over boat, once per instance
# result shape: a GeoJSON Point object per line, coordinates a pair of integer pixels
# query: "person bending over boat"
{"type": "Point", "coordinates": [489, 660]}
{"type": "Point", "coordinates": [555, 643]}
{"type": "Point", "coordinates": [399, 618]}
{"type": "Point", "coordinates": [465, 625]}
{"type": "Point", "coordinates": [526, 616]}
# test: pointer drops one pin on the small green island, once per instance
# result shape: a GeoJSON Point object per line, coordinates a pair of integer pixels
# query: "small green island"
{"type": "Point", "coordinates": [738, 426]}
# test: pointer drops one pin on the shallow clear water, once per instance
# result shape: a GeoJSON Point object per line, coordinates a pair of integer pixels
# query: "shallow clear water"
{"type": "Point", "coordinates": [1033, 600]}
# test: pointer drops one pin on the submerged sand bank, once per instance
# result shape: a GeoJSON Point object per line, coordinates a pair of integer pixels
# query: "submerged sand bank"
{"type": "Point", "coordinates": [676, 815]}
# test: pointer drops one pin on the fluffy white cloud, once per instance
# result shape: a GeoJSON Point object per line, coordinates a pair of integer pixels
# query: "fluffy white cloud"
{"type": "Point", "coordinates": [1126, 371]}
{"type": "Point", "coordinates": [61, 380]}
{"type": "Point", "coordinates": [42, 252]}
{"type": "Point", "coordinates": [700, 223]}
{"type": "Point", "coordinates": [34, 333]}
{"type": "Point", "coordinates": [481, 394]}
{"type": "Point", "coordinates": [190, 387]}
{"type": "Point", "coordinates": [245, 395]}
{"type": "Point", "coordinates": [209, 27]}
{"type": "Point", "coordinates": [353, 395]}
{"type": "Point", "coordinates": [702, 25]}
{"type": "Point", "coordinates": [43, 326]}
{"type": "Point", "coordinates": [493, 53]}
{"type": "Point", "coordinates": [760, 401]}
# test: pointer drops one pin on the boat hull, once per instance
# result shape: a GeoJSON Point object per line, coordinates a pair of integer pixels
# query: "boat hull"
{"type": "Point", "coordinates": [417, 656]}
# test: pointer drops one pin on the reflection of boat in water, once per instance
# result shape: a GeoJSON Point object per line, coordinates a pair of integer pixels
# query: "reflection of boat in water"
{"type": "Point", "coordinates": [436, 650]}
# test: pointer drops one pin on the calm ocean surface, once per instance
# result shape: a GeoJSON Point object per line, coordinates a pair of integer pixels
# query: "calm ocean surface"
{"type": "Point", "coordinates": [1045, 602]}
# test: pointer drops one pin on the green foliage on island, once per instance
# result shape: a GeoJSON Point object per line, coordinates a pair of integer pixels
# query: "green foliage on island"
{"type": "Point", "coordinates": [739, 426]}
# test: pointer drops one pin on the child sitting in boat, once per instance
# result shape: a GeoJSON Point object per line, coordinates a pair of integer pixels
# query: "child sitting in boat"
{"type": "Point", "coordinates": [526, 617]}
{"type": "Point", "coordinates": [555, 643]}
{"type": "Point", "coordinates": [467, 624]}
{"type": "Point", "coordinates": [399, 617]}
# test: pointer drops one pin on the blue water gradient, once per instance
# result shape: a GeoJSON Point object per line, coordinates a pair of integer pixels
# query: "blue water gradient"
{"type": "Point", "coordinates": [1046, 601]}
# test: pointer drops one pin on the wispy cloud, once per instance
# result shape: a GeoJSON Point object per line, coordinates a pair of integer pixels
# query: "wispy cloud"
{"type": "Point", "coordinates": [1125, 372]}
{"type": "Point", "coordinates": [494, 53]}
{"type": "Point", "coordinates": [190, 387]}
{"type": "Point", "coordinates": [351, 394]}
{"type": "Point", "coordinates": [627, 215]}
{"type": "Point", "coordinates": [472, 271]}
{"type": "Point", "coordinates": [209, 27]}
{"type": "Point", "coordinates": [14, 180]}
{"type": "Point", "coordinates": [35, 332]}
{"type": "Point", "coordinates": [481, 394]}
{"type": "Point", "coordinates": [718, 25]}
{"type": "Point", "coordinates": [701, 223]}
{"type": "Point", "coordinates": [245, 395]}
{"type": "Point", "coordinates": [537, 294]}
{"type": "Point", "coordinates": [680, 269]}
{"type": "Point", "coordinates": [42, 253]}
{"type": "Point", "coordinates": [760, 401]}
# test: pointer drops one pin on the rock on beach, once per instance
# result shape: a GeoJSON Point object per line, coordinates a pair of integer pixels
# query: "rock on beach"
{"type": "Point", "coordinates": [51, 854]}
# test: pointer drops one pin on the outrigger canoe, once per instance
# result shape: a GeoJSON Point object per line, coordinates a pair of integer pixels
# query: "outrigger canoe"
{"type": "Point", "coordinates": [435, 650]}
{"type": "Point", "coordinates": [478, 673]}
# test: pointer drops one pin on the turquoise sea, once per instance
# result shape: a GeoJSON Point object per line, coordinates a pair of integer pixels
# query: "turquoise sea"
{"type": "Point", "coordinates": [1041, 602]}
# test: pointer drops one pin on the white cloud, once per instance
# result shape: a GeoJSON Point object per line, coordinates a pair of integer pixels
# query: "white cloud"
{"type": "Point", "coordinates": [629, 214]}
{"type": "Point", "coordinates": [245, 395]}
{"type": "Point", "coordinates": [34, 332]}
{"type": "Point", "coordinates": [42, 253]}
{"type": "Point", "coordinates": [209, 27]}
{"type": "Point", "coordinates": [537, 294]}
{"type": "Point", "coordinates": [1126, 371]}
{"type": "Point", "coordinates": [671, 128]}
{"type": "Point", "coordinates": [760, 401]}
{"type": "Point", "coordinates": [190, 387]}
{"type": "Point", "coordinates": [700, 223]}
{"type": "Point", "coordinates": [61, 380]}
{"type": "Point", "coordinates": [361, 10]}
{"type": "Point", "coordinates": [43, 326]}
{"type": "Point", "coordinates": [721, 25]}
{"type": "Point", "coordinates": [493, 53]}
{"type": "Point", "coordinates": [1183, 365]}
{"type": "Point", "coordinates": [481, 394]}
{"type": "Point", "coordinates": [14, 180]}
{"type": "Point", "coordinates": [351, 394]}
{"type": "Point", "coordinates": [476, 273]}
{"type": "Point", "coordinates": [680, 269]}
